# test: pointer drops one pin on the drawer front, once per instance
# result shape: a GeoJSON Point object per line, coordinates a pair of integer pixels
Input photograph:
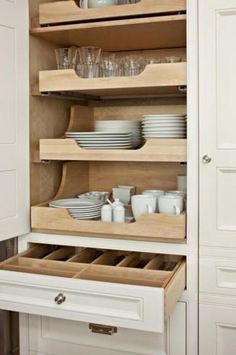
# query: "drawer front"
{"type": "Point", "coordinates": [217, 330]}
{"type": "Point", "coordinates": [120, 305]}
{"type": "Point", "coordinates": [218, 275]}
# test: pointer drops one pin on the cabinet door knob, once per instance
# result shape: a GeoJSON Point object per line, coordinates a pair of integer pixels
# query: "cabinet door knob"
{"type": "Point", "coordinates": [60, 298]}
{"type": "Point", "coordinates": [206, 159]}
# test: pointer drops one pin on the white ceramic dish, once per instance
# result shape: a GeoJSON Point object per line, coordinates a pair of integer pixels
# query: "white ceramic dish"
{"type": "Point", "coordinates": [75, 203]}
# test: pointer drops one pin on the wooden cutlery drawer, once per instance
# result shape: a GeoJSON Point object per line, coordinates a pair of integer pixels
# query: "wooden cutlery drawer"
{"type": "Point", "coordinates": [119, 288]}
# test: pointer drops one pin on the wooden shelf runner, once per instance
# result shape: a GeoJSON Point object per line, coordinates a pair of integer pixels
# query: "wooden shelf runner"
{"type": "Point", "coordinates": [156, 79]}
{"type": "Point", "coordinates": [69, 11]}
{"type": "Point", "coordinates": [154, 150]}
{"type": "Point", "coordinates": [148, 227]}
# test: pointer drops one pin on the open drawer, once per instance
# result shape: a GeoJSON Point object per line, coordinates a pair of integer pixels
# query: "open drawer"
{"type": "Point", "coordinates": [119, 288]}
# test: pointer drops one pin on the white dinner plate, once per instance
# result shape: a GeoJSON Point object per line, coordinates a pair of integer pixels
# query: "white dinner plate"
{"type": "Point", "coordinates": [163, 130]}
{"type": "Point", "coordinates": [75, 203]}
{"type": "Point", "coordinates": [165, 124]}
{"type": "Point", "coordinates": [164, 136]}
{"type": "Point", "coordinates": [97, 134]}
{"type": "Point", "coordinates": [164, 115]}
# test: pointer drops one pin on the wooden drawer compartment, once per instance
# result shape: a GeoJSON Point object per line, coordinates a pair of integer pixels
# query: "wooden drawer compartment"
{"type": "Point", "coordinates": [171, 150]}
{"type": "Point", "coordinates": [69, 12]}
{"type": "Point", "coordinates": [148, 227]}
{"type": "Point", "coordinates": [156, 79]}
{"type": "Point", "coordinates": [79, 177]}
{"type": "Point", "coordinates": [120, 288]}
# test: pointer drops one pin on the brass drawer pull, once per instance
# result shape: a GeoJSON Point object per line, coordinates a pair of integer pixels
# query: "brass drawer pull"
{"type": "Point", "coordinates": [102, 329]}
{"type": "Point", "coordinates": [60, 298]}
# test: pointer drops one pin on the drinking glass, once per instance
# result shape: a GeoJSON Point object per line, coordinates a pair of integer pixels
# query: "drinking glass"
{"type": "Point", "coordinates": [133, 65]}
{"type": "Point", "coordinates": [109, 65]}
{"type": "Point", "coordinates": [66, 58]}
{"type": "Point", "coordinates": [88, 66]}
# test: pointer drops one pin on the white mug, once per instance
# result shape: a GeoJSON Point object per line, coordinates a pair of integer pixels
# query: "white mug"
{"type": "Point", "coordinates": [176, 193]}
{"type": "Point", "coordinates": [101, 3]}
{"type": "Point", "coordinates": [143, 204]}
{"type": "Point", "coordinates": [155, 193]}
{"type": "Point", "coordinates": [170, 204]}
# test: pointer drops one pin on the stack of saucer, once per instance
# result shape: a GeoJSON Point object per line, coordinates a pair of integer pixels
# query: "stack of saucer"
{"type": "Point", "coordinates": [82, 208]}
{"type": "Point", "coordinates": [119, 126]}
{"type": "Point", "coordinates": [101, 140]}
{"type": "Point", "coordinates": [164, 126]}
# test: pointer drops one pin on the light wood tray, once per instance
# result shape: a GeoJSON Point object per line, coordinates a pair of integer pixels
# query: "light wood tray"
{"type": "Point", "coordinates": [148, 227]}
{"type": "Point", "coordinates": [154, 150]}
{"type": "Point", "coordinates": [69, 12]}
{"type": "Point", "coordinates": [156, 79]}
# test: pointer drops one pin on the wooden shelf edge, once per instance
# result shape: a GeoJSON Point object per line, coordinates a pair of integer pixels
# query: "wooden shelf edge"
{"type": "Point", "coordinates": [154, 150]}
{"type": "Point", "coordinates": [154, 76]}
{"type": "Point", "coordinates": [68, 11]}
{"type": "Point", "coordinates": [148, 227]}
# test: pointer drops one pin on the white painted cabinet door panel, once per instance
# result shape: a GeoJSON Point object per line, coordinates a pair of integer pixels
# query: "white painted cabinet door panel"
{"type": "Point", "coordinates": [14, 121]}
{"type": "Point", "coordinates": [52, 336]}
{"type": "Point", "coordinates": [217, 330]}
{"type": "Point", "coordinates": [218, 122]}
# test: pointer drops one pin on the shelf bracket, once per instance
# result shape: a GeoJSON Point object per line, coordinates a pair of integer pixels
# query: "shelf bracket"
{"type": "Point", "coordinates": [70, 95]}
{"type": "Point", "coordinates": [182, 88]}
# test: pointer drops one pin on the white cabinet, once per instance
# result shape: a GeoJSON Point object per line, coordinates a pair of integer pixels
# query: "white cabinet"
{"type": "Point", "coordinates": [217, 53]}
{"type": "Point", "coordinates": [217, 330]}
{"type": "Point", "coordinates": [143, 310]}
{"type": "Point", "coordinates": [217, 122]}
{"type": "Point", "coordinates": [58, 337]}
{"type": "Point", "coordinates": [14, 119]}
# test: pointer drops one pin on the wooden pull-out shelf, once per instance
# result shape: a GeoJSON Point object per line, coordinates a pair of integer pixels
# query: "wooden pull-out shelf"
{"type": "Point", "coordinates": [154, 150]}
{"type": "Point", "coordinates": [69, 11]}
{"type": "Point", "coordinates": [148, 227]}
{"type": "Point", "coordinates": [156, 79]}
{"type": "Point", "coordinates": [95, 284]}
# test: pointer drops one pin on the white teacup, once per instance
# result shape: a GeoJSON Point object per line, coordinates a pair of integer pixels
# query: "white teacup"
{"type": "Point", "coordinates": [143, 204]}
{"type": "Point", "coordinates": [101, 3]}
{"type": "Point", "coordinates": [170, 204]}
{"type": "Point", "coordinates": [155, 193]}
{"type": "Point", "coordinates": [176, 193]}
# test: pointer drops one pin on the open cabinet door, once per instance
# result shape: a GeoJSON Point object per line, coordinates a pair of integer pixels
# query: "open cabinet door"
{"type": "Point", "coordinates": [14, 118]}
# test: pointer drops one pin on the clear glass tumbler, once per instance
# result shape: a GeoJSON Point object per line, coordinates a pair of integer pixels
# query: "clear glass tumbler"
{"type": "Point", "coordinates": [109, 65]}
{"type": "Point", "coordinates": [89, 61]}
{"type": "Point", "coordinates": [66, 58]}
{"type": "Point", "coordinates": [133, 65]}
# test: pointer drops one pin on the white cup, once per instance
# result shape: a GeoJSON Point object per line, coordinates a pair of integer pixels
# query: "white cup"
{"type": "Point", "coordinates": [156, 194]}
{"type": "Point", "coordinates": [101, 3]}
{"type": "Point", "coordinates": [170, 204]}
{"type": "Point", "coordinates": [176, 193]}
{"type": "Point", "coordinates": [143, 204]}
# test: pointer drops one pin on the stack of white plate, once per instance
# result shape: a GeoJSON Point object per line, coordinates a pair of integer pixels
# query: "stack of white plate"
{"type": "Point", "coordinates": [101, 140]}
{"type": "Point", "coordinates": [164, 126]}
{"type": "Point", "coordinates": [80, 208]}
{"type": "Point", "coordinates": [119, 126]}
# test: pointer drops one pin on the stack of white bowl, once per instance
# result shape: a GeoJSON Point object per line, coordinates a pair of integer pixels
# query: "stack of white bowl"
{"type": "Point", "coordinates": [83, 208]}
{"type": "Point", "coordinates": [164, 126]}
{"type": "Point", "coordinates": [119, 126]}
